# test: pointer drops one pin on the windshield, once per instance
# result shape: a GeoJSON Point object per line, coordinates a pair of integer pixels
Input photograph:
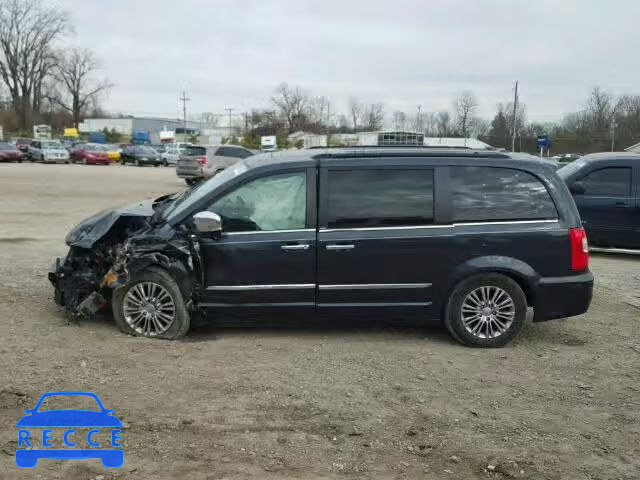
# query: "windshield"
{"type": "Point", "coordinates": [6, 146]}
{"type": "Point", "coordinates": [569, 169]}
{"type": "Point", "coordinates": [195, 151]}
{"type": "Point", "coordinates": [146, 150]}
{"type": "Point", "coordinates": [51, 145]}
{"type": "Point", "coordinates": [184, 201]}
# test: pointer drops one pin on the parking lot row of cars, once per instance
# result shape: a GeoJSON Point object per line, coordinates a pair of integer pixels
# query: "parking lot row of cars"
{"type": "Point", "coordinates": [56, 151]}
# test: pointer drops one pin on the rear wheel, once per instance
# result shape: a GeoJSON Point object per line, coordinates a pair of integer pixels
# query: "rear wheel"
{"type": "Point", "coordinates": [151, 305]}
{"type": "Point", "coordinates": [486, 310]}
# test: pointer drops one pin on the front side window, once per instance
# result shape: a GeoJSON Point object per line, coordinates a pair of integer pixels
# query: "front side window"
{"type": "Point", "coordinates": [276, 202]}
{"type": "Point", "coordinates": [481, 194]}
{"type": "Point", "coordinates": [380, 198]}
{"type": "Point", "coordinates": [609, 182]}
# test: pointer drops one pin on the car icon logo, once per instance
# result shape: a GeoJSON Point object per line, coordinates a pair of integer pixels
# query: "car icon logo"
{"type": "Point", "coordinates": [66, 425]}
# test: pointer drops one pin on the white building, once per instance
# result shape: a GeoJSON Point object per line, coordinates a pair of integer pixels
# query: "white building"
{"type": "Point", "coordinates": [384, 138]}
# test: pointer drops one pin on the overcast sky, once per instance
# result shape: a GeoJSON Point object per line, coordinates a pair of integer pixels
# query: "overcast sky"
{"type": "Point", "coordinates": [401, 52]}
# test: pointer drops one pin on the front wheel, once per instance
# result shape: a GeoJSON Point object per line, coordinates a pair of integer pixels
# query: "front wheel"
{"type": "Point", "coordinates": [151, 305]}
{"type": "Point", "coordinates": [486, 310]}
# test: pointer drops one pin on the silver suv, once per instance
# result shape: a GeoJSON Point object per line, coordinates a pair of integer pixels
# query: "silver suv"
{"type": "Point", "coordinates": [203, 161]}
{"type": "Point", "coordinates": [48, 151]}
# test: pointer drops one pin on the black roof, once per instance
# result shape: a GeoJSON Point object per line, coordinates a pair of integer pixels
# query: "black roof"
{"type": "Point", "coordinates": [345, 154]}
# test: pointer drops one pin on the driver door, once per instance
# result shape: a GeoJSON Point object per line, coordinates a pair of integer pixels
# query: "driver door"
{"type": "Point", "coordinates": [265, 258]}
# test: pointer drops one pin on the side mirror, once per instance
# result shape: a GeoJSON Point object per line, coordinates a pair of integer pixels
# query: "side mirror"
{"type": "Point", "coordinates": [577, 188]}
{"type": "Point", "coordinates": [207, 222]}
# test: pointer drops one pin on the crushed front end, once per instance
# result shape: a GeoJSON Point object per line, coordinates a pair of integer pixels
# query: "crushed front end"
{"type": "Point", "coordinates": [107, 249]}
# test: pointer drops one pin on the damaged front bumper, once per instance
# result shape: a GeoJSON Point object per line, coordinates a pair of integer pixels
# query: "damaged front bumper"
{"type": "Point", "coordinates": [72, 290]}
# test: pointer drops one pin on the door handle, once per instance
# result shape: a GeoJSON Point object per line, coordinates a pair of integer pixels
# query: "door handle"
{"type": "Point", "coordinates": [340, 246]}
{"type": "Point", "coordinates": [298, 246]}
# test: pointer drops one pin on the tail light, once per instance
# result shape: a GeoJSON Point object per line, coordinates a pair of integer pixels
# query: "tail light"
{"type": "Point", "coordinates": [579, 249]}
{"type": "Point", "coordinates": [202, 161]}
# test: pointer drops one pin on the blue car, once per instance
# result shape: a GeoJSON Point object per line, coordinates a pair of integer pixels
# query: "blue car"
{"type": "Point", "coordinates": [68, 419]}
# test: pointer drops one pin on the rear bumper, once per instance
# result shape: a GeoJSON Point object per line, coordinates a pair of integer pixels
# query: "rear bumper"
{"type": "Point", "coordinates": [560, 297]}
{"type": "Point", "coordinates": [189, 172]}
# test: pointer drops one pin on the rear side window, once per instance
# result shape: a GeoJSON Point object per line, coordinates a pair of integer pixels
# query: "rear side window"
{"type": "Point", "coordinates": [195, 151]}
{"type": "Point", "coordinates": [610, 182]}
{"type": "Point", "coordinates": [481, 194]}
{"type": "Point", "coordinates": [380, 198]}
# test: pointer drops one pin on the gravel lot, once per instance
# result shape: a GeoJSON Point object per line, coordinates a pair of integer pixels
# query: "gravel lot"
{"type": "Point", "coordinates": [343, 401]}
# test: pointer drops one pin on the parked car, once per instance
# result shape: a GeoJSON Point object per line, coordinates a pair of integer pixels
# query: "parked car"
{"type": "Point", "coordinates": [10, 153]}
{"type": "Point", "coordinates": [172, 152]}
{"type": "Point", "coordinates": [470, 238]}
{"type": "Point", "coordinates": [200, 162]}
{"type": "Point", "coordinates": [48, 151]}
{"type": "Point", "coordinates": [140, 155]}
{"type": "Point", "coordinates": [606, 188]}
{"type": "Point", "coordinates": [90, 154]}
{"type": "Point", "coordinates": [23, 144]}
{"type": "Point", "coordinates": [113, 152]}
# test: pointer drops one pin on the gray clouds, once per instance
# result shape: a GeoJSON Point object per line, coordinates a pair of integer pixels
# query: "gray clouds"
{"type": "Point", "coordinates": [401, 53]}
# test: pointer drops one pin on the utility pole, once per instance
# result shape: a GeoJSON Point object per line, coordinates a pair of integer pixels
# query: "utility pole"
{"type": "Point", "coordinates": [419, 119]}
{"type": "Point", "coordinates": [229, 110]}
{"type": "Point", "coordinates": [612, 131]}
{"type": "Point", "coordinates": [184, 99]}
{"type": "Point", "coordinates": [515, 112]}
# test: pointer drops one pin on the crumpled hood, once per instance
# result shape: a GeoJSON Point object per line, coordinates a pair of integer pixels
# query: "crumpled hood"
{"type": "Point", "coordinates": [94, 228]}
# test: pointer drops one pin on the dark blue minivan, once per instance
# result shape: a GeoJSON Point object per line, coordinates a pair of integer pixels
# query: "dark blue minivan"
{"type": "Point", "coordinates": [472, 239]}
{"type": "Point", "coordinates": [606, 189]}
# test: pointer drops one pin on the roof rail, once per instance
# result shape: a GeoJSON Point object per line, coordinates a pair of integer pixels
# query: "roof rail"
{"type": "Point", "coordinates": [441, 147]}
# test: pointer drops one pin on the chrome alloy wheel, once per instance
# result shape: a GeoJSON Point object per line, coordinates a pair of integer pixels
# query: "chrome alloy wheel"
{"type": "Point", "coordinates": [488, 312]}
{"type": "Point", "coordinates": [149, 309]}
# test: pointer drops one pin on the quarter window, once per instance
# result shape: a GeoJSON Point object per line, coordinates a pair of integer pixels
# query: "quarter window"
{"type": "Point", "coordinates": [609, 182]}
{"type": "Point", "coordinates": [493, 194]}
{"type": "Point", "coordinates": [276, 202]}
{"type": "Point", "coordinates": [380, 198]}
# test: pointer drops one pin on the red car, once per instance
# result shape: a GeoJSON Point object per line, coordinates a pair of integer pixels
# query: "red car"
{"type": "Point", "coordinates": [22, 144]}
{"type": "Point", "coordinates": [10, 153]}
{"type": "Point", "coordinates": [90, 154]}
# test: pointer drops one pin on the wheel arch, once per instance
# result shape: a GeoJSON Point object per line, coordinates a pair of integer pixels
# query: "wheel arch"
{"type": "Point", "coordinates": [173, 266]}
{"type": "Point", "coordinates": [517, 270]}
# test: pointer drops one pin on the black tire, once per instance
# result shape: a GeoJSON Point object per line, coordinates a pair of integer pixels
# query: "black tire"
{"type": "Point", "coordinates": [165, 163]}
{"type": "Point", "coordinates": [453, 313]}
{"type": "Point", "coordinates": [189, 181]}
{"type": "Point", "coordinates": [181, 322]}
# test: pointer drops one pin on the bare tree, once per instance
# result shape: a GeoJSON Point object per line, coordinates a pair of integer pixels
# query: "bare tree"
{"type": "Point", "coordinates": [355, 110]}
{"type": "Point", "coordinates": [319, 112]}
{"type": "Point", "coordinates": [465, 107]}
{"type": "Point", "coordinates": [399, 119]}
{"type": "Point", "coordinates": [443, 123]}
{"type": "Point", "coordinates": [373, 116]}
{"type": "Point", "coordinates": [291, 102]}
{"type": "Point", "coordinates": [27, 33]}
{"type": "Point", "coordinates": [75, 72]}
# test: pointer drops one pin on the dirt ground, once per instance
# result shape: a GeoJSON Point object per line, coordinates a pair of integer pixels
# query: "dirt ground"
{"type": "Point", "coordinates": [344, 401]}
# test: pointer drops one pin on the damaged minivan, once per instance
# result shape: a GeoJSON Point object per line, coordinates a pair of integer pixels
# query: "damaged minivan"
{"type": "Point", "coordinates": [478, 240]}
